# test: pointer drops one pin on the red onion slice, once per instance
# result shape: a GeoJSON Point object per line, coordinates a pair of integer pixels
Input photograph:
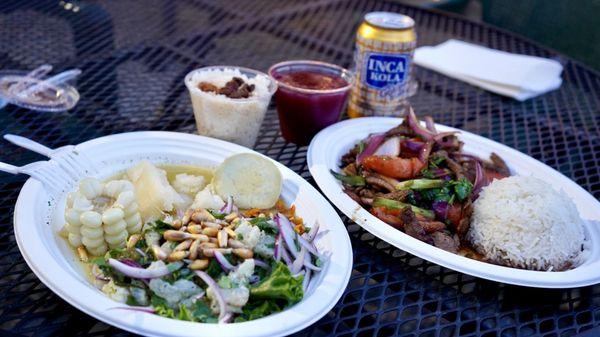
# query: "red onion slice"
{"type": "Point", "coordinates": [479, 179]}
{"type": "Point", "coordinates": [223, 262]}
{"type": "Point", "coordinates": [286, 257]}
{"type": "Point", "coordinates": [373, 143]}
{"type": "Point", "coordinates": [278, 248]}
{"type": "Point", "coordinates": [131, 263]}
{"type": "Point", "coordinates": [309, 265]}
{"type": "Point", "coordinates": [308, 245]}
{"type": "Point", "coordinates": [142, 273]}
{"type": "Point", "coordinates": [288, 233]}
{"type": "Point", "coordinates": [229, 205]}
{"type": "Point", "coordinates": [298, 262]}
{"type": "Point", "coordinates": [223, 314]}
{"type": "Point", "coordinates": [312, 233]}
{"type": "Point", "coordinates": [306, 280]}
{"type": "Point", "coordinates": [429, 124]}
{"type": "Point", "coordinates": [148, 310]}
{"type": "Point", "coordinates": [415, 125]}
{"type": "Point", "coordinates": [391, 147]}
{"type": "Point", "coordinates": [413, 145]}
{"type": "Point", "coordinates": [261, 263]}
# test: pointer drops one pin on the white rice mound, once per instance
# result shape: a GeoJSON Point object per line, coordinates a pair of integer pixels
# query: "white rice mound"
{"type": "Point", "coordinates": [523, 222]}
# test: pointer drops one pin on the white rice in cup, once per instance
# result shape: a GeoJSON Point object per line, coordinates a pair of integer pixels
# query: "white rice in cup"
{"type": "Point", "coordinates": [236, 120]}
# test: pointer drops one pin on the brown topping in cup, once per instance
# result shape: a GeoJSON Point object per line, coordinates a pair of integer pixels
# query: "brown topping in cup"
{"type": "Point", "coordinates": [236, 88]}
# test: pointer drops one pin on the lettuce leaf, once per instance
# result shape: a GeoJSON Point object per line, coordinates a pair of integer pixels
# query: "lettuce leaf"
{"type": "Point", "coordinates": [279, 284]}
{"type": "Point", "coordinates": [258, 309]}
{"type": "Point", "coordinates": [162, 308]}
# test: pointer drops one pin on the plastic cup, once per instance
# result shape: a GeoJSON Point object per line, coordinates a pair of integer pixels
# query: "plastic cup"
{"type": "Point", "coordinates": [218, 116]}
{"type": "Point", "coordinates": [304, 112]}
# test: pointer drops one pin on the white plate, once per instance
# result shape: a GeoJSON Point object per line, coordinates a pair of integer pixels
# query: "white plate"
{"type": "Point", "coordinates": [329, 145]}
{"type": "Point", "coordinates": [38, 217]}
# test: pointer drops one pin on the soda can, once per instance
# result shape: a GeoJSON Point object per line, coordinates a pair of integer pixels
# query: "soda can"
{"type": "Point", "coordinates": [385, 45]}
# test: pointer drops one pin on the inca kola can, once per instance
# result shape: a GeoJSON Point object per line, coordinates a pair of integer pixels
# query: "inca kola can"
{"type": "Point", "coordinates": [385, 44]}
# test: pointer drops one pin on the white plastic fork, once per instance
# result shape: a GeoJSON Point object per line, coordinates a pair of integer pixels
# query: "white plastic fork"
{"type": "Point", "coordinates": [76, 164]}
{"type": "Point", "coordinates": [46, 172]}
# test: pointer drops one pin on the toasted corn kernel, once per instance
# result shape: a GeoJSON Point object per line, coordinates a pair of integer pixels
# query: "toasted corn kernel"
{"type": "Point", "coordinates": [262, 215]}
{"type": "Point", "coordinates": [202, 215]}
{"type": "Point", "coordinates": [183, 245]}
{"type": "Point", "coordinates": [186, 217]}
{"type": "Point", "coordinates": [213, 240]}
{"type": "Point", "coordinates": [236, 221]}
{"type": "Point", "coordinates": [178, 256]}
{"type": "Point", "coordinates": [230, 232]}
{"type": "Point", "coordinates": [159, 254]}
{"type": "Point", "coordinates": [194, 249]}
{"type": "Point", "coordinates": [201, 237]}
{"type": "Point", "coordinates": [211, 224]}
{"type": "Point", "coordinates": [244, 253]}
{"type": "Point", "coordinates": [229, 217]}
{"type": "Point", "coordinates": [133, 240]}
{"type": "Point", "coordinates": [235, 243]}
{"type": "Point", "coordinates": [199, 264]}
{"type": "Point", "coordinates": [172, 235]}
{"type": "Point", "coordinates": [83, 255]}
{"type": "Point", "coordinates": [194, 229]}
{"type": "Point", "coordinates": [210, 231]}
{"type": "Point", "coordinates": [208, 245]}
{"type": "Point", "coordinates": [222, 238]}
{"type": "Point", "coordinates": [177, 224]}
{"type": "Point", "coordinates": [210, 252]}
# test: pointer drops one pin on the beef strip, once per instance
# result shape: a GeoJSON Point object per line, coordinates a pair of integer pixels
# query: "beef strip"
{"type": "Point", "coordinates": [499, 165]}
{"type": "Point", "coordinates": [432, 226]}
{"type": "Point", "coordinates": [350, 157]}
{"type": "Point", "coordinates": [353, 195]}
{"type": "Point", "coordinates": [445, 241]}
{"type": "Point", "coordinates": [396, 195]}
{"type": "Point", "coordinates": [412, 227]}
{"type": "Point", "coordinates": [381, 183]}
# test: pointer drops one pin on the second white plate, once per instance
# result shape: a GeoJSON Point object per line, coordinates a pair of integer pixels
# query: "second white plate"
{"type": "Point", "coordinates": [329, 145]}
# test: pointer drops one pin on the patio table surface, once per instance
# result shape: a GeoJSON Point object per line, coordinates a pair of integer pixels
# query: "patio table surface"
{"type": "Point", "coordinates": [134, 55]}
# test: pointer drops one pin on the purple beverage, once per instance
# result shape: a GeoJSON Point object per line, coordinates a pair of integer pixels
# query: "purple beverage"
{"type": "Point", "coordinates": [310, 96]}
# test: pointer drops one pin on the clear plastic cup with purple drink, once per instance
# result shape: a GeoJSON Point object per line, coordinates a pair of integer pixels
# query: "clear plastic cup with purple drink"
{"type": "Point", "coordinates": [311, 95]}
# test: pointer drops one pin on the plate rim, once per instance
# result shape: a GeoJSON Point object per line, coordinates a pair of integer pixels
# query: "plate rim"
{"type": "Point", "coordinates": [30, 192]}
{"type": "Point", "coordinates": [400, 240]}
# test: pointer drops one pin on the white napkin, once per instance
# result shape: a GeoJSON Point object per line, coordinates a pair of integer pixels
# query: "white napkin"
{"type": "Point", "coordinates": [518, 76]}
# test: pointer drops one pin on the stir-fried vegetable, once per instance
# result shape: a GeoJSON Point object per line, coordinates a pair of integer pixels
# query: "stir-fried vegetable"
{"type": "Point", "coordinates": [418, 180]}
{"type": "Point", "coordinates": [349, 180]}
{"type": "Point", "coordinates": [393, 204]}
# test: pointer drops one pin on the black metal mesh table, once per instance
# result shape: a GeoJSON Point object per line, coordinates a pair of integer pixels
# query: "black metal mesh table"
{"type": "Point", "coordinates": [134, 55]}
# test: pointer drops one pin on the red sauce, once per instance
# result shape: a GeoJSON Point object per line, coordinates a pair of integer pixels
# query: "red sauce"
{"type": "Point", "coordinates": [312, 80]}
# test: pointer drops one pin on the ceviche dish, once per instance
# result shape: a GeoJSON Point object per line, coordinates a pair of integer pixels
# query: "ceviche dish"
{"type": "Point", "coordinates": [421, 182]}
{"type": "Point", "coordinates": [189, 243]}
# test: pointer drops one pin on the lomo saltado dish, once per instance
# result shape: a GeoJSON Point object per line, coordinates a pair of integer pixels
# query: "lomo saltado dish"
{"type": "Point", "coordinates": [420, 181]}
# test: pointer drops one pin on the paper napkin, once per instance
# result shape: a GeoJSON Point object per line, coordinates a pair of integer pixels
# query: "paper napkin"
{"type": "Point", "coordinates": [518, 76]}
